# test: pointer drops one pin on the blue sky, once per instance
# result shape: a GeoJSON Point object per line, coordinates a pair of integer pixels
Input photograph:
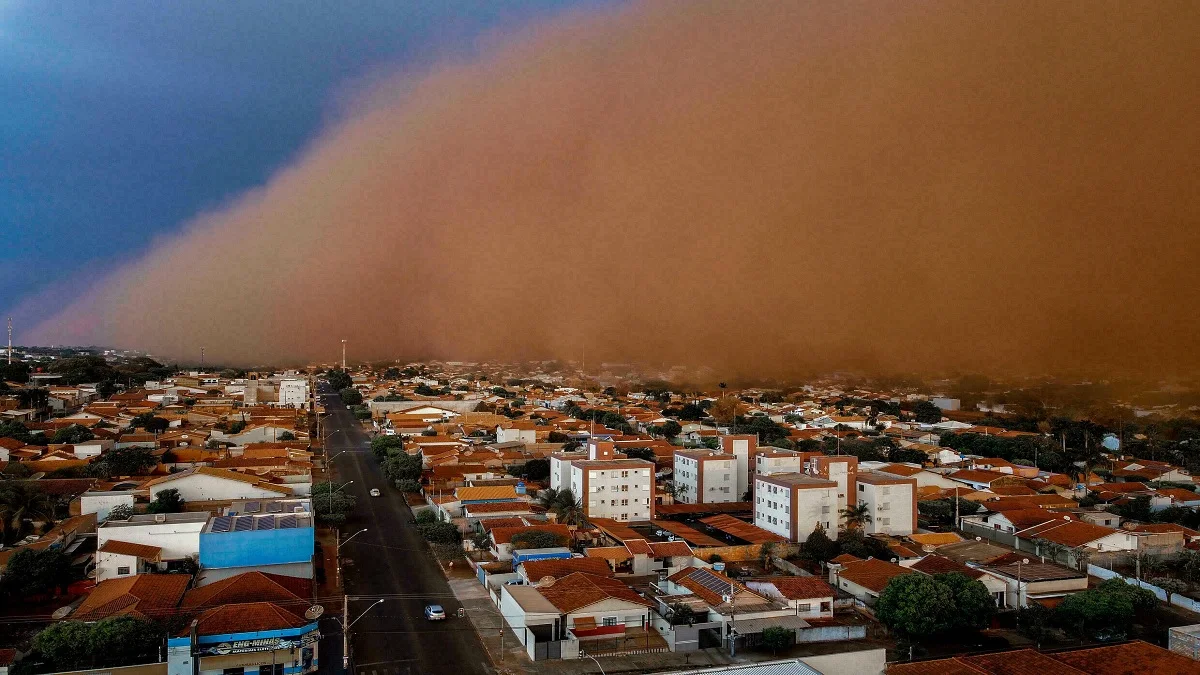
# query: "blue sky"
{"type": "Point", "coordinates": [121, 120]}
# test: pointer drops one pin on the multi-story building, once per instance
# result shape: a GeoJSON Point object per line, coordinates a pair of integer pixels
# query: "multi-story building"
{"type": "Point", "coordinates": [792, 505]}
{"type": "Point", "coordinates": [293, 393]}
{"type": "Point", "coordinates": [607, 483]}
{"type": "Point", "coordinates": [840, 469]}
{"type": "Point", "coordinates": [891, 501]}
{"type": "Point", "coordinates": [744, 448]}
{"type": "Point", "coordinates": [776, 460]}
{"type": "Point", "coordinates": [705, 477]}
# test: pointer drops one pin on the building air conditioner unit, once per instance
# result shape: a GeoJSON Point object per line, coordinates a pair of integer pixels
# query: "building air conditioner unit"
{"type": "Point", "coordinates": [160, 517]}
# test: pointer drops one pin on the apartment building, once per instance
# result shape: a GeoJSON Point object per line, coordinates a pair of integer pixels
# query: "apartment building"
{"type": "Point", "coordinates": [293, 393]}
{"type": "Point", "coordinates": [792, 505]}
{"type": "Point", "coordinates": [773, 461]}
{"type": "Point", "coordinates": [705, 477]}
{"type": "Point", "coordinates": [744, 448]}
{"type": "Point", "coordinates": [841, 470]}
{"type": "Point", "coordinates": [891, 501]}
{"type": "Point", "coordinates": [607, 483]}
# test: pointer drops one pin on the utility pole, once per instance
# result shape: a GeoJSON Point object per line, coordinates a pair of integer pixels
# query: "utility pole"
{"type": "Point", "coordinates": [202, 359]}
{"type": "Point", "coordinates": [343, 354]}
{"type": "Point", "coordinates": [10, 340]}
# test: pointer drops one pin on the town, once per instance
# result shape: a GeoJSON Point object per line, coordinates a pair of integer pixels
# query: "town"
{"type": "Point", "coordinates": [472, 517]}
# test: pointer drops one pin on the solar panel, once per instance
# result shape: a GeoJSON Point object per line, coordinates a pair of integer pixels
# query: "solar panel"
{"type": "Point", "coordinates": [253, 507]}
{"type": "Point", "coordinates": [274, 507]}
{"type": "Point", "coordinates": [287, 522]}
{"type": "Point", "coordinates": [221, 524]}
{"type": "Point", "coordinates": [267, 523]}
{"type": "Point", "coordinates": [243, 523]}
{"type": "Point", "coordinates": [710, 581]}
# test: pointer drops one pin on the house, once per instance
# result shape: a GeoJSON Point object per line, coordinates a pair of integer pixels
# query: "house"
{"type": "Point", "coordinates": [638, 557]}
{"type": "Point", "coordinates": [176, 534]}
{"type": "Point", "coordinates": [501, 537]}
{"type": "Point", "coordinates": [1036, 581]}
{"type": "Point", "coordinates": [793, 505]}
{"type": "Point", "coordinates": [102, 502]}
{"type": "Point", "coordinates": [864, 579]}
{"type": "Point", "coordinates": [536, 571]}
{"type": "Point", "coordinates": [741, 612]}
{"type": "Point", "coordinates": [1120, 659]}
{"type": "Point", "coordinates": [938, 564]}
{"type": "Point", "coordinates": [596, 607]}
{"type": "Point", "coordinates": [118, 558]}
{"type": "Point", "coordinates": [891, 502]}
{"type": "Point", "coordinates": [705, 477]}
{"type": "Point", "coordinates": [287, 591]}
{"type": "Point", "coordinates": [811, 597]}
{"type": "Point", "coordinates": [203, 483]}
{"type": "Point", "coordinates": [144, 596]}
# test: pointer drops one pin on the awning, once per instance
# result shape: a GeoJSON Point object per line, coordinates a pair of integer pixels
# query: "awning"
{"type": "Point", "coordinates": [585, 623]}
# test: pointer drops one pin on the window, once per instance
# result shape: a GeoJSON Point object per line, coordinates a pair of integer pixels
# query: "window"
{"type": "Point", "coordinates": [624, 474]}
{"type": "Point", "coordinates": [885, 521]}
{"type": "Point", "coordinates": [610, 621]}
{"type": "Point", "coordinates": [233, 671]}
{"type": "Point", "coordinates": [612, 502]}
{"type": "Point", "coordinates": [121, 571]}
{"type": "Point", "coordinates": [824, 509]}
{"type": "Point", "coordinates": [277, 669]}
{"type": "Point", "coordinates": [624, 488]}
{"type": "Point", "coordinates": [624, 502]}
{"type": "Point", "coordinates": [804, 607]}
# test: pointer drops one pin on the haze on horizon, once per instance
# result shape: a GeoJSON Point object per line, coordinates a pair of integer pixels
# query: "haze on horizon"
{"type": "Point", "coordinates": [763, 188]}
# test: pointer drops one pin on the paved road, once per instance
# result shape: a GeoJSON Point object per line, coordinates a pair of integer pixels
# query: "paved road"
{"type": "Point", "coordinates": [391, 561]}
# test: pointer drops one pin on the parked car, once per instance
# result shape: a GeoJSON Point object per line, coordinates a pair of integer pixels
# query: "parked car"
{"type": "Point", "coordinates": [374, 492]}
{"type": "Point", "coordinates": [435, 613]}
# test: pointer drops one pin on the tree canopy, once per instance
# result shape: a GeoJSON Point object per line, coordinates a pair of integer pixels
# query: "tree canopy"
{"type": "Point", "coordinates": [166, 501]}
{"type": "Point", "coordinates": [109, 643]}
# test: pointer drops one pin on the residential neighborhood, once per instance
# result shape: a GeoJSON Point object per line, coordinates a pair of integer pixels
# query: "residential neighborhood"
{"type": "Point", "coordinates": [560, 521]}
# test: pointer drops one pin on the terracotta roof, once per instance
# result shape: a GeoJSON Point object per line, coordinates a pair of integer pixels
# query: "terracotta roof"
{"type": "Point", "coordinates": [845, 558]}
{"type": "Point", "coordinates": [978, 475]}
{"type": "Point", "coordinates": [661, 549]}
{"type": "Point", "coordinates": [490, 492]}
{"type": "Point", "coordinates": [251, 587]}
{"type": "Point", "coordinates": [504, 535]}
{"type": "Point", "coordinates": [686, 577]}
{"type": "Point", "coordinates": [1026, 518]}
{"type": "Point", "coordinates": [514, 506]}
{"type": "Point", "coordinates": [535, 570]}
{"type": "Point", "coordinates": [145, 595]}
{"type": "Point", "coordinates": [1074, 533]}
{"type": "Point", "coordinates": [935, 538]}
{"type": "Point", "coordinates": [741, 529]}
{"type": "Point", "coordinates": [144, 551]}
{"type": "Point", "coordinates": [802, 588]}
{"type": "Point", "coordinates": [638, 546]}
{"type": "Point", "coordinates": [872, 574]}
{"type": "Point", "coordinates": [222, 473]}
{"type": "Point", "coordinates": [1020, 662]}
{"type": "Point", "coordinates": [618, 553]}
{"type": "Point", "coordinates": [247, 617]}
{"type": "Point", "coordinates": [578, 590]}
{"type": "Point", "coordinates": [1127, 659]}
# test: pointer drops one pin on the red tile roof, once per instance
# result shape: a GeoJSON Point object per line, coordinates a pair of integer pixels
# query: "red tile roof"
{"type": "Point", "coordinates": [578, 590]}
{"type": "Point", "coordinates": [146, 595]}
{"type": "Point", "coordinates": [802, 588]}
{"type": "Point", "coordinates": [292, 592]}
{"type": "Point", "coordinates": [1128, 659]}
{"type": "Point", "coordinates": [504, 535]}
{"type": "Point", "coordinates": [144, 551]}
{"type": "Point", "coordinates": [247, 618]}
{"type": "Point", "coordinates": [536, 570]}
{"type": "Point", "coordinates": [872, 574]}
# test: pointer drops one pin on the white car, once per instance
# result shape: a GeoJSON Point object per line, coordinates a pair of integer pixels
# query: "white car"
{"type": "Point", "coordinates": [374, 492]}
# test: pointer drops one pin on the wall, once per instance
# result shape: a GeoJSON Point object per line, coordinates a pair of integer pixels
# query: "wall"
{"type": "Point", "coordinates": [865, 662]}
{"type": "Point", "coordinates": [831, 633]}
{"type": "Point", "coordinates": [101, 503]}
{"type": "Point", "coordinates": [1176, 599]}
{"type": "Point", "coordinates": [177, 540]}
{"type": "Point", "coordinates": [200, 488]}
{"type": "Point", "coordinates": [745, 552]}
{"type": "Point", "coordinates": [257, 547]}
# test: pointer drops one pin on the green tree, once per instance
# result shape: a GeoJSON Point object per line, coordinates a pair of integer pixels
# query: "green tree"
{"type": "Point", "coordinates": [916, 606]}
{"type": "Point", "coordinates": [157, 425]}
{"type": "Point", "coordinates": [120, 512]}
{"type": "Point", "coordinates": [567, 509]}
{"type": "Point", "coordinates": [351, 396]}
{"type": "Point", "coordinates": [973, 603]}
{"type": "Point", "coordinates": [339, 379]}
{"type": "Point", "coordinates": [16, 431]}
{"type": "Point", "coordinates": [330, 504]}
{"type": "Point", "coordinates": [402, 466]}
{"type": "Point", "coordinates": [14, 372]}
{"type": "Point", "coordinates": [819, 548]}
{"type": "Point", "coordinates": [287, 436]}
{"type": "Point", "coordinates": [1170, 585]}
{"type": "Point", "coordinates": [536, 539]}
{"type": "Point", "coordinates": [440, 532]}
{"type": "Point", "coordinates": [926, 412]}
{"type": "Point", "coordinates": [670, 429]}
{"type": "Point", "coordinates": [383, 446]}
{"type": "Point", "coordinates": [236, 427]}
{"type": "Point", "coordinates": [1107, 608]}
{"type": "Point", "coordinates": [166, 501]}
{"type": "Point", "coordinates": [1035, 622]}
{"type": "Point", "coordinates": [409, 486]}
{"type": "Point", "coordinates": [65, 646]}
{"type": "Point", "coordinates": [681, 615]}
{"type": "Point", "coordinates": [73, 434]}
{"type": "Point", "coordinates": [21, 504]}
{"type": "Point", "coordinates": [124, 462]}
{"type": "Point", "coordinates": [36, 571]}
{"type": "Point", "coordinates": [537, 469]}
{"type": "Point", "coordinates": [124, 641]}
{"type": "Point", "coordinates": [777, 637]}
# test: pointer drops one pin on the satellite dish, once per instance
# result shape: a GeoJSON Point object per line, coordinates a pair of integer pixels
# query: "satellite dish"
{"type": "Point", "coordinates": [62, 612]}
{"type": "Point", "coordinates": [314, 612]}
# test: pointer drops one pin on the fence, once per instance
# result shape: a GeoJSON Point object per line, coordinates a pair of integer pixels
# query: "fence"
{"type": "Point", "coordinates": [1176, 599]}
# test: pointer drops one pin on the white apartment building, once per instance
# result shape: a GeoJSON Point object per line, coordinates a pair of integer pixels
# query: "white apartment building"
{"type": "Point", "coordinates": [744, 448]}
{"type": "Point", "coordinates": [608, 484]}
{"type": "Point", "coordinates": [792, 505]}
{"type": "Point", "coordinates": [778, 461]}
{"type": "Point", "coordinates": [293, 393]}
{"type": "Point", "coordinates": [705, 477]}
{"type": "Point", "coordinates": [177, 534]}
{"type": "Point", "coordinates": [891, 501]}
{"type": "Point", "coordinates": [842, 470]}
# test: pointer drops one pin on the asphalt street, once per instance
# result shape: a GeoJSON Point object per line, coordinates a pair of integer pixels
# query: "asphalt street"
{"type": "Point", "coordinates": [391, 561]}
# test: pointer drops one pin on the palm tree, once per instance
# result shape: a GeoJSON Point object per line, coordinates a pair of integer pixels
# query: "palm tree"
{"type": "Point", "coordinates": [568, 510]}
{"type": "Point", "coordinates": [21, 501]}
{"type": "Point", "coordinates": [548, 498]}
{"type": "Point", "coordinates": [856, 516]}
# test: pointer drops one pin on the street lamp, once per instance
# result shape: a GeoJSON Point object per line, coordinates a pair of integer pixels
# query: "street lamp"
{"type": "Point", "coordinates": [596, 662]}
{"type": "Point", "coordinates": [377, 602]}
{"type": "Point", "coordinates": [337, 489]}
{"type": "Point", "coordinates": [1020, 563]}
{"type": "Point", "coordinates": [339, 546]}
